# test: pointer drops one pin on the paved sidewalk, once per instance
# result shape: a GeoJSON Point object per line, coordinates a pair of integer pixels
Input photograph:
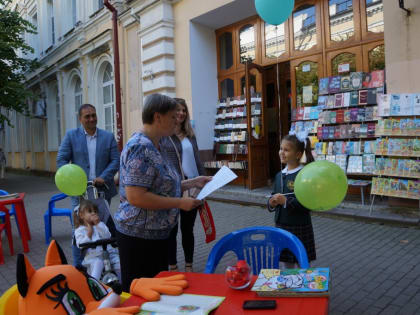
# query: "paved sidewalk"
{"type": "Point", "coordinates": [375, 268]}
{"type": "Point", "coordinates": [351, 207]}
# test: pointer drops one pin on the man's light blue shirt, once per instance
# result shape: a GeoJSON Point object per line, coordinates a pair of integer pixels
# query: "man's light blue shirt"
{"type": "Point", "coordinates": [91, 146]}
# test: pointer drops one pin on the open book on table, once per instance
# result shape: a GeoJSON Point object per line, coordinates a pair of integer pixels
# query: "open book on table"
{"type": "Point", "coordinates": [193, 304]}
{"type": "Point", "coordinates": [293, 282]}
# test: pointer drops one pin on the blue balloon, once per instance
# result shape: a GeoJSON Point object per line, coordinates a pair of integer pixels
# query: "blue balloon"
{"type": "Point", "coordinates": [274, 12]}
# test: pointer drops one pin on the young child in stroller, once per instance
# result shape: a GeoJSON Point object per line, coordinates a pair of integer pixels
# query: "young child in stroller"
{"type": "Point", "coordinates": [89, 228]}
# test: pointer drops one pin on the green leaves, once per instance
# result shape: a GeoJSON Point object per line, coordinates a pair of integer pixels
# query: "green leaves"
{"type": "Point", "coordinates": [14, 63]}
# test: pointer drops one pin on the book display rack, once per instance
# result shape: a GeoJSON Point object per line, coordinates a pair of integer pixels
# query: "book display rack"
{"type": "Point", "coordinates": [397, 152]}
{"type": "Point", "coordinates": [240, 138]}
{"type": "Point", "coordinates": [348, 118]}
{"type": "Point", "coordinates": [232, 130]}
{"type": "Point", "coordinates": [231, 133]}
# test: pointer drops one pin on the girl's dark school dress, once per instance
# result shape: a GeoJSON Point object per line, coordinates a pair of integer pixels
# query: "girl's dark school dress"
{"type": "Point", "coordinates": [293, 217]}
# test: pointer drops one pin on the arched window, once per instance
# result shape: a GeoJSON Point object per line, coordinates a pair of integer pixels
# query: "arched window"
{"type": "Point", "coordinates": [307, 84]}
{"type": "Point", "coordinates": [275, 43]}
{"type": "Point", "coordinates": [341, 20]}
{"type": "Point", "coordinates": [377, 58]}
{"type": "Point", "coordinates": [247, 43]}
{"type": "Point", "coordinates": [78, 98]}
{"type": "Point", "coordinates": [343, 58]}
{"type": "Point", "coordinates": [304, 27]}
{"type": "Point", "coordinates": [108, 98]}
{"type": "Point", "coordinates": [375, 16]}
{"type": "Point", "coordinates": [227, 88]}
{"type": "Point", "coordinates": [225, 51]}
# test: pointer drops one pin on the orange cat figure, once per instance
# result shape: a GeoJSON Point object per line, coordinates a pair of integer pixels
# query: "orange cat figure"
{"type": "Point", "coordinates": [59, 288]}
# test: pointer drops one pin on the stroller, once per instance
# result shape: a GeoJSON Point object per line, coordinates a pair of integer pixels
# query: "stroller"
{"type": "Point", "coordinates": [98, 198]}
{"type": "Point", "coordinates": [109, 276]}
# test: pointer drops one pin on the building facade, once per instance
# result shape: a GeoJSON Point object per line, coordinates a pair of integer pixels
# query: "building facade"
{"type": "Point", "coordinates": [74, 46]}
{"type": "Point", "coordinates": [214, 40]}
{"type": "Point", "coordinates": [180, 48]}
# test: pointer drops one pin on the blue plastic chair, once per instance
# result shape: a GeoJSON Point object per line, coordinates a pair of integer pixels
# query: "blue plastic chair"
{"type": "Point", "coordinates": [260, 246]}
{"type": "Point", "coordinates": [53, 211]}
{"type": "Point", "coordinates": [11, 212]}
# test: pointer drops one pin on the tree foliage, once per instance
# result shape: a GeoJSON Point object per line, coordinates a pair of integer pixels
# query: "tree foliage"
{"type": "Point", "coordinates": [13, 92]}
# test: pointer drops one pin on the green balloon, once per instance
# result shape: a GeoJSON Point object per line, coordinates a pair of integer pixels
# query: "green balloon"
{"type": "Point", "coordinates": [71, 179]}
{"type": "Point", "coordinates": [321, 186]}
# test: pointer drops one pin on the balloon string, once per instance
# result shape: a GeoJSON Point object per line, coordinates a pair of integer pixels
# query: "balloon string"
{"type": "Point", "coordinates": [278, 97]}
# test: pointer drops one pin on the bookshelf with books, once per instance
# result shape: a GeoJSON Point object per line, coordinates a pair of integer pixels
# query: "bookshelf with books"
{"type": "Point", "coordinates": [306, 118]}
{"type": "Point", "coordinates": [234, 124]}
{"type": "Point", "coordinates": [230, 136]}
{"type": "Point", "coordinates": [398, 147]}
{"type": "Point", "coordinates": [240, 140]}
{"type": "Point", "coordinates": [348, 120]}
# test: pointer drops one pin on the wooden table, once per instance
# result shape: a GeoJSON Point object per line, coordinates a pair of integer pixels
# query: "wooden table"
{"type": "Point", "coordinates": [20, 216]}
{"type": "Point", "coordinates": [215, 284]}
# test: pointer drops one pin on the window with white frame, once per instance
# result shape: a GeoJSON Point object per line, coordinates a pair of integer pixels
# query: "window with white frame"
{"type": "Point", "coordinates": [8, 136]}
{"type": "Point", "coordinates": [100, 4]}
{"type": "Point", "coordinates": [37, 132]}
{"type": "Point", "coordinates": [34, 37]}
{"type": "Point", "coordinates": [74, 12]}
{"type": "Point", "coordinates": [53, 122]}
{"type": "Point", "coordinates": [108, 98]}
{"type": "Point", "coordinates": [58, 118]}
{"type": "Point", "coordinates": [78, 98]}
{"type": "Point", "coordinates": [50, 19]}
{"type": "Point", "coordinates": [28, 139]}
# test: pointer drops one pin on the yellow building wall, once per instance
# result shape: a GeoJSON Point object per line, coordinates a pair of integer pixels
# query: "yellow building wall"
{"type": "Point", "coordinates": [131, 74]}
{"type": "Point", "coordinates": [39, 161]}
{"type": "Point", "coordinates": [28, 159]}
{"type": "Point", "coordinates": [53, 164]}
{"type": "Point", "coordinates": [16, 162]}
{"type": "Point", "coordinates": [184, 11]}
{"type": "Point", "coordinates": [402, 47]}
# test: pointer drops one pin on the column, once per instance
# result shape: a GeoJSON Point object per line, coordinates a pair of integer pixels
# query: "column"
{"type": "Point", "coordinates": [157, 49]}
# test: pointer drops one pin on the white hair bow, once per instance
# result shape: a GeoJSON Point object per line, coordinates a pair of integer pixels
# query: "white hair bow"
{"type": "Point", "coordinates": [301, 135]}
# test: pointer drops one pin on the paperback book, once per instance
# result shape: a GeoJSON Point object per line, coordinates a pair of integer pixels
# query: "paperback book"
{"type": "Point", "coordinates": [384, 104]}
{"type": "Point", "coordinates": [356, 80]}
{"type": "Point", "coordinates": [354, 98]}
{"type": "Point", "coordinates": [345, 83]}
{"type": "Point", "coordinates": [334, 84]}
{"type": "Point", "coordinates": [193, 304]}
{"type": "Point", "coordinates": [292, 282]}
{"type": "Point", "coordinates": [377, 78]}
{"type": "Point", "coordinates": [323, 86]}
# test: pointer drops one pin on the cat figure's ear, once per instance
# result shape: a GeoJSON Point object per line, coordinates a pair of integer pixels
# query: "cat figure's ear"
{"type": "Point", "coordinates": [55, 255]}
{"type": "Point", "coordinates": [24, 273]}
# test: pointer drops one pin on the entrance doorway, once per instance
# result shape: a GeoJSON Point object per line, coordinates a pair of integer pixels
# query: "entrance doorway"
{"type": "Point", "coordinates": [278, 116]}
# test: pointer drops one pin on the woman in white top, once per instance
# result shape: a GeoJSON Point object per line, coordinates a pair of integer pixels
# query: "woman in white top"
{"type": "Point", "coordinates": [182, 151]}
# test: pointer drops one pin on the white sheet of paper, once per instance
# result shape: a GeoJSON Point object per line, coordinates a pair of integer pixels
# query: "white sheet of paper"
{"type": "Point", "coordinates": [220, 179]}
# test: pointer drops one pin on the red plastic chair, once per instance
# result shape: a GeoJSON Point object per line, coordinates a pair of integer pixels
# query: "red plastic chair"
{"type": "Point", "coordinates": [8, 228]}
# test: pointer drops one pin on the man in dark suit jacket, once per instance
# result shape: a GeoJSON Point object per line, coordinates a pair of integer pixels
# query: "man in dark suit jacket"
{"type": "Point", "coordinates": [96, 152]}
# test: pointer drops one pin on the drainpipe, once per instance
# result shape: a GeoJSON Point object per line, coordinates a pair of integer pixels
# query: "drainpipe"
{"type": "Point", "coordinates": [114, 11]}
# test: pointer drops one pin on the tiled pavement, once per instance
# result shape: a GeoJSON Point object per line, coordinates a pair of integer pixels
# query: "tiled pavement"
{"type": "Point", "coordinates": [375, 268]}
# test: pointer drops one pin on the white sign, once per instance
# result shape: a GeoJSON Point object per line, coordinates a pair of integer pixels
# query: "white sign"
{"type": "Point", "coordinates": [344, 67]}
{"type": "Point", "coordinates": [307, 94]}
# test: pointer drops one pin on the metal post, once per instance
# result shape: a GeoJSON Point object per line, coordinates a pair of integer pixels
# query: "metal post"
{"type": "Point", "coordinates": [114, 12]}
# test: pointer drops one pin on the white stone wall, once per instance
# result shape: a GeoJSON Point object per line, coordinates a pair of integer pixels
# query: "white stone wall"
{"type": "Point", "coordinates": [157, 49]}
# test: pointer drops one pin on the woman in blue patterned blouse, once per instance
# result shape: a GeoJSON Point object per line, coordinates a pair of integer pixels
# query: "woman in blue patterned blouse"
{"type": "Point", "coordinates": [150, 194]}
